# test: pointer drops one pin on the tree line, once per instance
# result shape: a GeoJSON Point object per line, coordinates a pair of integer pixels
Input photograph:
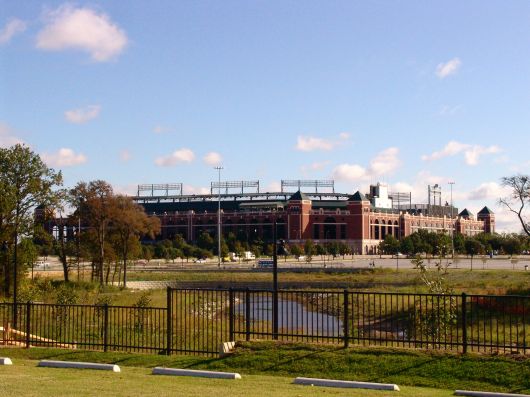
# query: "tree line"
{"type": "Point", "coordinates": [108, 226]}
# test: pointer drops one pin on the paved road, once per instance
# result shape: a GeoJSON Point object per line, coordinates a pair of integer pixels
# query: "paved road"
{"type": "Point", "coordinates": [504, 263]}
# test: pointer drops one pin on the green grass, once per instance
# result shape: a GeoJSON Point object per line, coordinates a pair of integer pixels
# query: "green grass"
{"type": "Point", "coordinates": [265, 360]}
{"type": "Point", "coordinates": [25, 379]}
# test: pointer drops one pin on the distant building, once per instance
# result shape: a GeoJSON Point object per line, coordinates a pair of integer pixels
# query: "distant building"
{"type": "Point", "coordinates": [362, 221]}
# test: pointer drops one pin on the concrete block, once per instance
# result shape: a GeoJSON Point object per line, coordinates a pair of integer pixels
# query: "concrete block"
{"type": "Point", "coordinates": [226, 348]}
{"type": "Point", "coordinates": [192, 372]}
{"type": "Point", "coordinates": [73, 364]}
{"type": "Point", "coordinates": [345, 384]}
{"type": "Point", "coordinates": [486, 394]}
{"type": "Point", "coordinates": [5, 361]}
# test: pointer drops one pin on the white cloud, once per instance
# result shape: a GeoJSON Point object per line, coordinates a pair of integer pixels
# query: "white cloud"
{"type": "Point", "coordinates": [274, 186]}
{"type": "Point", "coordinates": [7, 138]}
{"type": "Point", "coordinates": [310, 143]}
{"type": "Point", "coordinates": [448, 68]}
{"type": "Point", "coordinates": [177, 157]}
{"type": "Point", "coordinates": [64, 157]}
{"type": "Point", "coordinates": [189, 189]}
{"type": "Point", "coordinates": [125, 155]}
{"type": "Point", "coordinates": [83, 29]}
{"type": "Point", "coordinates": [82, 115]}
{"type": "Point", "coordinates": [12, 28]}
{"type": "Point", "coordinates": [488, 191]}
{"type": "Point", "coordinates": [126, 190]}
{"type": "Point", "coordinates": [349, 172]}
{"type": "Point", "coordinates": [471, 153]}
{"type": "Point", "coordinates": [213, 159]}
{"type": "Point", "coordinates": [384, 163]}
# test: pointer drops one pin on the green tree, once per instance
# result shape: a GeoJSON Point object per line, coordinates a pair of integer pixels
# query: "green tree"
{"type": "Point", "coordinates": [205, 241]}
{"type": "Point", "coordinates": [309, 249]}
{"type": "Point", "coordinates": [26, 183]}
{"type": "Point", "coordinates": [94, 204]}
{"type": "Point", "coordinates": [473, 247]}
{"type": "Point", "coordinates": [296, 250]}
{"type": "Point", "coordinates": [390, 245]}
{"type": "Point", "coordinates": [129, 223]}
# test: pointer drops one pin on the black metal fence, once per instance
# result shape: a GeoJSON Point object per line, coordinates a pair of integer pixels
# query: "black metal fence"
{"type": "Point", "coordinates": [198, 321]}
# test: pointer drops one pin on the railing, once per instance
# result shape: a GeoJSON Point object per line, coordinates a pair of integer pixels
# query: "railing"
{"type": "Point", "coordinates": [198, 321]}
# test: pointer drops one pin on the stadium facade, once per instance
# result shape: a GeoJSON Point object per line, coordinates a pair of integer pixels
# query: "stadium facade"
{"type": "Point", "coordinates": [360, 220]}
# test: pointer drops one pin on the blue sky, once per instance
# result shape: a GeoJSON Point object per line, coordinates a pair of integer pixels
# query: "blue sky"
{"type": "Point", "coordinates": [409, 93]}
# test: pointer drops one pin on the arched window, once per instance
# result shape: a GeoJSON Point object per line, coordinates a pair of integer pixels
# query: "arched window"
{"type": "Point", "coordinates": [376, 229]}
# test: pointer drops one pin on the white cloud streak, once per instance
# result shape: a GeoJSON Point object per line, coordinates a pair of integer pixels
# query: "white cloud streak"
{"type": "Point", "coordinates": [310, 143]}
{"type": "Point", "coordinates": [82, 29]}
{"type": "Point", "coordinates": [64, 157]}
{"type": "Point", "coordinates": [448, 68]}
{"type": "Point", "coordinates": [11, 29]}
{"type": "Point", "coordinates": [82, 115]}
{"type": "Point", "coordinates": [472, 153]}
{"type": "Point", "coordinates": [213, 159]}
{"type": "Point", "coordinates": [180, 156]}
{"type": "Point", "coordinates": [384, 163]}
{"type": "Point", "coordinates": [7, 138]}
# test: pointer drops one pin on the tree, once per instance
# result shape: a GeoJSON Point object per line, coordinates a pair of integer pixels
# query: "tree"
{"type": "Point", "coordinates": [473, 247]}
{"type": "Point", "coordinates": [26, 183]}
{"type": "Point", "coordinates": [390, 245]}
{"type": "Point", "coordinates": [519, 198]}
{"type": "Point", "coordinates": [94, 205]}
{"type": "Point", "coordinates": [296, 250]}
{"type": "Point", "coordinates": [130, 222]}
{"type": "Point", "coordinates": [309, 250]}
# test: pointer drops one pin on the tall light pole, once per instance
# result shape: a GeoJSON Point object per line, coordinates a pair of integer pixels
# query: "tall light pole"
{"type": "Point", "coordinates": [219, 168]}
{"type": "Point", "coordinates": [452, 224]}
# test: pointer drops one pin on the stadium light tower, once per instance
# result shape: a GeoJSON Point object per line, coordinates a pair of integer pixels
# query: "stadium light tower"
{"type": "Point", "coordinates": [452, 224]}
{"type": "Point", "coordinates": [219, 168]}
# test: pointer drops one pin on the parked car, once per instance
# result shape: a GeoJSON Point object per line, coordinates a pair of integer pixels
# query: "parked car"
{"type": "Point", "coordinates": [200, 260]}
{"type": "Point", "coordinates": [41, 265]}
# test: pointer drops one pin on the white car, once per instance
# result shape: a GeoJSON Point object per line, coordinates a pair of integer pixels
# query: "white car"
{"type": "Point", "coordinates": [41, 265]}
{"type": "Point", "coordinates": [199, 260]}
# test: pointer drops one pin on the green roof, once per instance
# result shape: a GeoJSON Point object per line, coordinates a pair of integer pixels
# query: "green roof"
{"type": "Point", "coordinates": [358, 196]}
{"type": "Point", "coordinates": [465, 212]}
{"type": "Point", "coordinates": [299, 196]}
{"type": "Point", "coordinates": [485, 211]}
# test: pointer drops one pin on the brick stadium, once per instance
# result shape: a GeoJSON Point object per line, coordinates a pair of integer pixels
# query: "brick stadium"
{"type": "Point", "coordinates": [360, 220]}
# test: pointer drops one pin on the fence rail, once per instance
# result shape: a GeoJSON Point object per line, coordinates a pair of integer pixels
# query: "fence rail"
{"type": "Point", "coordinates": [198, 321]}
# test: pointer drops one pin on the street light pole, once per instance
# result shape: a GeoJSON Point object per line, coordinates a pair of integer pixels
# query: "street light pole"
{"type": "Point", "coordinates": [219, 168]}
{"type": "Point", "coordinates": [452, 224]}
{"type": "Point", "coordinates": [274, 280]}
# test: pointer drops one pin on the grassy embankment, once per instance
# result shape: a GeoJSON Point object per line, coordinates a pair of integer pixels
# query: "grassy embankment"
{"type": "Point", "coordinates": [381, 280]}
{"type": "Point", "coordinates": [269, 368]}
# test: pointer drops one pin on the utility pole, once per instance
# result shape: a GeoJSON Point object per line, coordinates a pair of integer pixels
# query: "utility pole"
{"type": "Point", "coordinates": [452, 224]}
{"type": "Point", "coordinates": [219, 168]}
{"type": "Point", "coordinates": [274, 280]}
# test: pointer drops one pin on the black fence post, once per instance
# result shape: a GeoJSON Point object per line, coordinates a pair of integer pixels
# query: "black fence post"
{"type": "Point", "coordinates": [464, 323]}
{"type": "Point", "coordinates": [28, 324]}
{"type": "Point", "coordinates": [346, 320]}
{"type": "Point", "coordinates": [231, 314]}
{"type": "Point", "coordinates": [106, 328]}
{"type": "Point", "coordinates": [247, 314]}
{"type": "Point", "coordinates": [169, 321]}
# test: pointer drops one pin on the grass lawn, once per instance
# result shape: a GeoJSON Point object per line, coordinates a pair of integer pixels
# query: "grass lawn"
{"type": "Point", "coordinates": [26, 379]}
{"type": "Point", "coordinates": [267, 369]}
